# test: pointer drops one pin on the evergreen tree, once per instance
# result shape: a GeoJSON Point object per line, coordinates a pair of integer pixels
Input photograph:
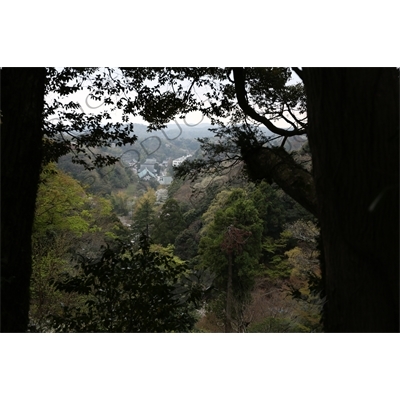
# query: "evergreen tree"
{"type": "Point", "coordinates": [231, 247]}
{"type": "Point", "coordinates": [130, 289]}
{"type": "Point", "coordinates": [270, 208]}
{"type": "Point", "coordinates": [144, 215]}
{"type": "Point", "coordinates": [169, 223]}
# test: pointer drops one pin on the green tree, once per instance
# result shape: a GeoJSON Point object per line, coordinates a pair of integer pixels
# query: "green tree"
{"type": "Point", "coordinates": [128, 290]}
{"type": "Point", "coordinates": [231, 247]}
{"type": "Point", "coordinates": [305, 279]}
{"type": "Point", "coordinates": [270, 208]}
{"type": "Point", "coordinates": [169, 223]}
{"type": "Point", "coordinates": [100, 181]}
{"type": "Point", "coordinates": [144, 214]}
{"type": "Point", "coordinates": [119, 202]}
{"type": "Point", "coordinates": [275, 257]}
{"type": "Point", "coordinates": [187, 241]}
{"type": "Point", "coordinates": [59, 200]}
{"type": "Point", "coordinates": [67, 222]}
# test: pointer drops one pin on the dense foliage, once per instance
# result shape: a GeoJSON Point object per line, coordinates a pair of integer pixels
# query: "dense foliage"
{"type": "Point", "coordinates": [129, 289]}
{"type": "Point", "coordinates": [239, 239]}
{"type": "Point", "coordinates": [68, 222]}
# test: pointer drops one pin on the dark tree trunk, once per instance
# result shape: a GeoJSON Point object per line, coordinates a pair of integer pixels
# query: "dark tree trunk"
{"type": "Point", "coordinates": [354, 139]}
{"type": "Point", "coordinates": [22, 102]}
{"type": "Point", "coordinates": [229, 296]}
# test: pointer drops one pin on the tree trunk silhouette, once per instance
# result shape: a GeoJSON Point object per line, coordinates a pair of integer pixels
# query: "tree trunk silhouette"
{"type": "Point", "coordinates": [21, 142]}
{"type": "Point", "coordinates": [353, 134]}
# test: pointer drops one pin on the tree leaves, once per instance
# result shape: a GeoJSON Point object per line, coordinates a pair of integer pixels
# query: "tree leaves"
{"type": "Point", "coordinates": [129, 290]}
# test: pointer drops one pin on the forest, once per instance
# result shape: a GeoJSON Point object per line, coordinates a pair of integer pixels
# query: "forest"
{"type": "Point", "coordinates": [87, 221]}
{"type": "Point", "coordinates": [278, 216]}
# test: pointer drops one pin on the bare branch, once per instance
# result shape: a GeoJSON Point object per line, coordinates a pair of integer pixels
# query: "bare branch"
{"type": "Point", "coordinates": [303, 125]}
{"type": "Point", "coordinates": [281, 114]}
{"type": "Point", "coordinates": [239, 78]}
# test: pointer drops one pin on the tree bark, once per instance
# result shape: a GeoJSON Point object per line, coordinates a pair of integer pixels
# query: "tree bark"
{"type": "Point", "coordinates": [276, 165]}
{"type": "Point", "coordinates": [273, 164]}
{"type": "Point", "coordinates": [353, 133]}
{"type": "Point", "coordinates": [229, 296]}
{"type": "Point", "coordinates": [21, 142]}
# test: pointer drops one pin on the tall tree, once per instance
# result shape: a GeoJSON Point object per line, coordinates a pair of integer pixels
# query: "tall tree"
{"type": "Point", "coordinates": [169, 223]}
{"type": "Point", "coordinates": [230, 248]}
{"type": "Point", "coordinates": [22, 104]}
{"type": "Point", "coordinates": [354, 139]}
{"type": "Point", "coordinates": [144, 214]}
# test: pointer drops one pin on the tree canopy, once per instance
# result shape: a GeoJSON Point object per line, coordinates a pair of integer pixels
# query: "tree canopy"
{"type": "Point", "coordinates": [230, 248]}
{"type": "Point", "coordinates": [128, 290]}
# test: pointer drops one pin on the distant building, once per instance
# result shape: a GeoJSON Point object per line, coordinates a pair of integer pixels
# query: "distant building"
{"type": "Point", "coordinates": [146, 175]}
{"type": "Point", "coordinates": [180, 160]}
{"type": "Point", "coordinates": [149, 165]}
{"type": "Point", "coordinates": [150, 161]}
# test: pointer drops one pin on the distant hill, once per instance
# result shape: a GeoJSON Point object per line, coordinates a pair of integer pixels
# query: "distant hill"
{"type": "Point", "coordinates": [173, 131]}
{"type": "Point", "coordinates": [183, 131]}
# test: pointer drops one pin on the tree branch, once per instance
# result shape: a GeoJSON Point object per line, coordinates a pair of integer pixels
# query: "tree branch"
{"type": "Point", "coordinates": [299, 72]}
{"type": "Point", "coordinates": [281, 114]}
{"type": "Point", "coordinates": [239, 78]}
{"type": "Point", "coordinates": [303, 125]}
{"type": "Point", "coordinates": [276, 165]}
